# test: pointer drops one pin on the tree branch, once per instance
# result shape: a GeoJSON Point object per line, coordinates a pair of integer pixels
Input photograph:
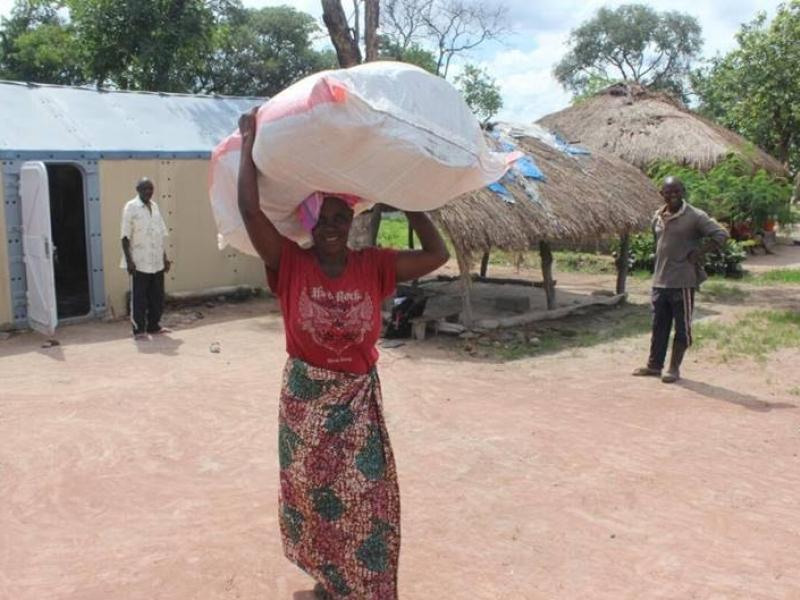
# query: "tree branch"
{"type": "Point", "coordinates": [371, 19]}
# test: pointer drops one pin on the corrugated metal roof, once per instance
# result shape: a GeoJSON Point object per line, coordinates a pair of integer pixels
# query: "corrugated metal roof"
{"type": "Point", "coordinates": [61, 119]}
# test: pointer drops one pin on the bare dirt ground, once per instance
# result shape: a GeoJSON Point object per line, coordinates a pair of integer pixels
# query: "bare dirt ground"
{"type": "Point", "coordinates": [149, 470]}
{"type": "Point", "coordinates": [786, 257]}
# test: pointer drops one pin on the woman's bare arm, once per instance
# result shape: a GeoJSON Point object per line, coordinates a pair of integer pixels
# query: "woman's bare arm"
{"type": "Point", "coordinates": [413, 264]}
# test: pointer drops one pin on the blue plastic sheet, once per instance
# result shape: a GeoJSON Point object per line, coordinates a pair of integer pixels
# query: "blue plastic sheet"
{"type": "Point", "coordinates": [528, 168]}
{"type": "Point", "coordinates": [499, 188]}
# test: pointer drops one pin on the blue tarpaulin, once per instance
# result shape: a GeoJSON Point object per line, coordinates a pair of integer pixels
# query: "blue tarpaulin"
{"type": "Point", "coordinates": [499, 188]}
{"type": "Point", "coordinates": [526, 167]}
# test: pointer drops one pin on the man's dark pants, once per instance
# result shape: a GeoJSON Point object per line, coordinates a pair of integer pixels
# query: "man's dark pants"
{"type": "Point", "coordinates": [147, 301]}
{"type": "Point", "coordinates": [670, 305]}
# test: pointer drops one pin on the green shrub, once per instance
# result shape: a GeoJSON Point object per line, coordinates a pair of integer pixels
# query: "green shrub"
{"type": "Point", "coordinates": [726, 261]}
{"type": "Point", "coordinates": [732, 192]}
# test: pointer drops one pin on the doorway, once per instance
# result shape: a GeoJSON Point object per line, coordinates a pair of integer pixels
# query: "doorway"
{"type": "Point", "coordinates": [70, 259]}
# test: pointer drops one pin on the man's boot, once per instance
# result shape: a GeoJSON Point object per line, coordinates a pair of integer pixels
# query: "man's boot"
{"type": "Point", "coordinates": [674, 372]}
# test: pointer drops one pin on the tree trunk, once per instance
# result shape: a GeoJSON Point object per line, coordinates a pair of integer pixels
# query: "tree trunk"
{"type": "Point", "coordinates": [546, 256]}
{"type": "Point", "coordinates": [467, 317]}
{"type": "Point", "coordinates": [364, 231]}
{"type": "Point", "coordinates": [371, 20]}
{"type": "Point", "coordinates": [365, 228]}
{"type": "Point", "coordinates": [622, 262]}
{"type": "Point", "coordinates": [335, 19]}
{"type": "Point", "coordinates": [484, 264]}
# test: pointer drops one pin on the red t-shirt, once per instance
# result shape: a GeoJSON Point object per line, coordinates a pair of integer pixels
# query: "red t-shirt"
{"type": "Point", "coordinates": [334, 323]}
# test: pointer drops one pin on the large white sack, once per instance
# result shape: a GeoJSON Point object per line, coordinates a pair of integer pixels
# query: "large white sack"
{"type": "Point", "coordinates": [384, 131]}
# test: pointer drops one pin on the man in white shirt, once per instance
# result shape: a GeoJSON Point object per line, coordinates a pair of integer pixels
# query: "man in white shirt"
{"type": "Point", "coordinates": [143, 233]}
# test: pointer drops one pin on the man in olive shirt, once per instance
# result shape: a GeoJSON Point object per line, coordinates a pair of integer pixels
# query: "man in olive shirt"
{"type": "Point", "coordinates": [683, 235]}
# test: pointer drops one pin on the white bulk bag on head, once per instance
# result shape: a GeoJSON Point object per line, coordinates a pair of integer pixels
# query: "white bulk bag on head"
{"type": "Point", "coordinates": [384, 131]}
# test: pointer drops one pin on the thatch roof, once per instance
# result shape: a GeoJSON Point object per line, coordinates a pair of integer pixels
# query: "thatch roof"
{"type": "Point", "coordinates": [642, 127]}
{"type": "Point", "coordinates": [583, 197]}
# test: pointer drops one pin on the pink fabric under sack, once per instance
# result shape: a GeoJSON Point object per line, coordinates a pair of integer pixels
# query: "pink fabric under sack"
{"type": "Point", "coordinates": [382, 132]}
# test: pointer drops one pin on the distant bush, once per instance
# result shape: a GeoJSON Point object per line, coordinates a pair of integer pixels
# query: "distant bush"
{"type": "Point", "coordinates": [732, 192]}
{"type": "Point", "coordinates": [726, 261]}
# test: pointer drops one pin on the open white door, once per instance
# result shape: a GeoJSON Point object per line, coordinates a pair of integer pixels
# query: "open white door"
{"type": "Point", "coordinates": [37, 240]}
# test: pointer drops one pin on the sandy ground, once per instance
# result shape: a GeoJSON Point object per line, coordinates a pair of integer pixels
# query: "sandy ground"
{"type": "Point", "coordinates": [149, 470]}
{"type": "Point", "coordinates": [785, 257]}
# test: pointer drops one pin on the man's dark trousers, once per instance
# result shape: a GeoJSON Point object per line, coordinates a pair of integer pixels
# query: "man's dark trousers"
{"type": "Point", "coordinates": [670, 304]}
{"type": "Point", "coordinates": [147, 301]}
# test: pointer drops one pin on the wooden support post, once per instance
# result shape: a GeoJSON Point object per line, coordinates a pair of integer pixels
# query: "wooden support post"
{"type": "Point", "coordinates": [546, 257]}
{"type": "Point", "coordinates": [622, 262]}
{"type": "Point", "coordinates": [466, 286]}
{"type": "Point", "coordinates": [410, 237]}
{"type": "Point", "coordinates": [484, 264]}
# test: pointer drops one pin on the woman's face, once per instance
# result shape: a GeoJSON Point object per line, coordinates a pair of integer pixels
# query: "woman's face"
{"type": "Point", "coordinates": [333, 227]}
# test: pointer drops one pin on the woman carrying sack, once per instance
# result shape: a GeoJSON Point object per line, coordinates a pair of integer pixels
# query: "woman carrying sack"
{"type": "Point", "coordinates": [339, 498]}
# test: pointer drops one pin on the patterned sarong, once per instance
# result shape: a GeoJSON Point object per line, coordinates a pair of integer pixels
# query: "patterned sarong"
{"type": "Point", "coordinates": [339, 502]}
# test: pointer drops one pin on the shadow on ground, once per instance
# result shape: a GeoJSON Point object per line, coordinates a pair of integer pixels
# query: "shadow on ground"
{"type": "Point", "coordinates": [747, 401]}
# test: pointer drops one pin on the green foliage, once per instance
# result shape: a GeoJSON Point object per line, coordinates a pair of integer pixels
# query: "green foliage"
{"type": "Point", "coordinates": [260, 52]}
{"type": "Point", "coordinates": [777, 276]}
{"type": "Point", "coordinates": [755, 89]}
{"type": "Point", "coordinates": [213, 46]}
{"type": "Point", "coordinates": [481, 92]}
{"type": "Point", "coordinates": [726, 261]}
{"type": "Point", "coordinates": [37, 44]}
{"type": "Point", "coordinates": [393, 233]}
{"type": "Point", "coordinates": [583, 262]}
{"type": "Point", "coordinates": [414, 54]}
{"type": "Point", "coordinates": [634, 43]}
{"type": "Point", "coordinates": [642, 256]}
{"type": "Point", "coordinates": [732, 193]}
{"type": "Point", "coordinates": [641, 252]}
{"type": "Point", "coordinates": [594, 84]}
{"type": "Point", "coordinates": [143, 44]}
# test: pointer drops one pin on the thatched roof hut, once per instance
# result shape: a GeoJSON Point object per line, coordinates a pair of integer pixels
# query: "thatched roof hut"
{"type": "Point", "coordinates": [642, 126]}
{"type": "Point", "coordinates": [577, 196]}
{"type": "Point", "coordinates": [583, 196]}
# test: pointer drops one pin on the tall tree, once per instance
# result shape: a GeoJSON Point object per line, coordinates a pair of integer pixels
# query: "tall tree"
{"type": "Point", "coordinates": [346, 40]}
{"type": "Point", "coordinates": [143, 44]}
{"type": "Point", "coordinates": [260, 52]}
{"type": "Point", "coordinates": [449, 27]}
{"type": "Point", "coordinates": [755, 89]}
{"type": "Point", "coordinates": [633, 43]}
{"type": "Point", "coordinates": [481, 92]}
{"type": "Point", "coordinates": [37, 44]}
{"type": "Point", "coordinates": [413, 54]}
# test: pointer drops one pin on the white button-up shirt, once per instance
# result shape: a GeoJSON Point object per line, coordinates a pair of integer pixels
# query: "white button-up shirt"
{"type": "Point", "coordinates": [145, 230]}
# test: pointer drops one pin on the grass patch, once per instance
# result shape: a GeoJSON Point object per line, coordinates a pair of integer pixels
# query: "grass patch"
{"type": "Point", "coordinates": [755, 335]}
{"type": "Point", "coordinates": [599, 326]}
{"type": "Point", "coordinates": [564, 261]}
{"type": "Point", "coordinates": [584, 262]}
{"type": "Point", "coordinates": [720, 291]}
{"type": "Point", "coordinates": [393, 233]}
{"type": "Point", "coordinates": [776, 277]}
